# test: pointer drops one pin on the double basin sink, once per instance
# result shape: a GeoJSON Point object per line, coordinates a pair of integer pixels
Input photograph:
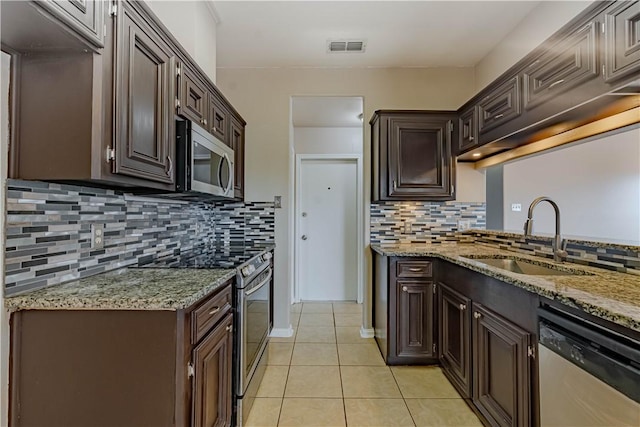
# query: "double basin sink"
{"type": "Point", "coordinates": [527, 267]}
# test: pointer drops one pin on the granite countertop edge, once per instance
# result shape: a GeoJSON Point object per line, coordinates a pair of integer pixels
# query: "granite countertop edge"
{"type": "Point", "coordinates": [618, 312]}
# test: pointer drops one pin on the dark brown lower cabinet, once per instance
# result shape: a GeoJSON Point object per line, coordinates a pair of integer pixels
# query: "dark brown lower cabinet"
{"type": "Point", "coordinates": [125, 368]}
{"type": "Point", "coordinates": [454, 315]}
{"type": "Point", "coordinates": [501, 387]}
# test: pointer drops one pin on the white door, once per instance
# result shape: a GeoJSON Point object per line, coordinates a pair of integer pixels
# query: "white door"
{"type": "Point", "coordinates": [327, 233]}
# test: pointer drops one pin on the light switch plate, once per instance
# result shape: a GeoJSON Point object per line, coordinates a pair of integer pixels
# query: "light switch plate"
{"type": "Point", "coordinates": [277, 202]}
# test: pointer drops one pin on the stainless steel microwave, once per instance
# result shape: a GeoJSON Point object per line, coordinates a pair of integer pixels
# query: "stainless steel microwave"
{"type": "Point", "coordinates": [204, 164]}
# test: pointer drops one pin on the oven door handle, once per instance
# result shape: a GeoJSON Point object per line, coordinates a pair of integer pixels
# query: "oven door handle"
{"type": "Point", "coordinates": [257, 288]}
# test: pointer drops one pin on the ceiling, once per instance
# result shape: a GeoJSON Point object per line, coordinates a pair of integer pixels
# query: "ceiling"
{"type": "Point", "coordinates": [397, 33]}
{"type": "Point", "coordinates": [326, 111]}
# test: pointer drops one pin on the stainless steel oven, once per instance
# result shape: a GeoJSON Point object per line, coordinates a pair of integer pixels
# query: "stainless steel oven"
{"type": "Point", "coordinates": [253, 291]}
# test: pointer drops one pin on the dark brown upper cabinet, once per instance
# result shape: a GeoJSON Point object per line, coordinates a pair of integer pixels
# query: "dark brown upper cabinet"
{"type": "Point", "coordinates": [218, 120]}
{"type": "Point", "coordinates": [622, 40]}
{"type": "Point", "coordinates": [500, 105]}
{"type": "Point", "coordinates": [412, 155]}
{"type": "Point", "coordinates": [192, 100]}
{"type": "Point", "coordinates": [501, 387]}
{"type": "Point", "coordinates": [108, 117]}
{"type": "Point", "coordinates": [571, 62]}
{"type": "Point", "coordinates": [468, 126]}
{"type": "Point", "coordinates": [144, 137]}
{"type": "Point", "coordinates": [237, 143]}
{"type": "Point", "coordinates": [454, 322]}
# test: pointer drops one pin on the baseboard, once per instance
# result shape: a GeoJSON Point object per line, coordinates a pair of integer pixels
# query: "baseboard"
{"type": "Point", "coordinates": [367, 333]}
{"type": "Point", "coordinates": [282, 332]}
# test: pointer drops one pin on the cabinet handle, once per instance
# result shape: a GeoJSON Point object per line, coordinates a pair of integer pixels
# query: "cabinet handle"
{"type": "Point", "coordinates": [170, 170]}
{"type": "Point", "coordinates": [229, 328]}
{"type": "Point", "coordinates": [215, 129]}
{"type": "Point", "coordinates": [498, 116]}
{"type": "Point", "coordinates": [555, 83]}
{"type": "Point", "coordinates": [477, 315]}
{"type": "Point", "coordinates": [395, 185]}
{"type": "Point", "coordinates": [205, 122]}
{"type": "Point", "coordinates": [405, 289]}
{"type": "Point", "coordinates": [215, 310]}
{"type": "Point", "coordinates": [414, 269]}
{"type": "Point", "coordinates": [463, 307]}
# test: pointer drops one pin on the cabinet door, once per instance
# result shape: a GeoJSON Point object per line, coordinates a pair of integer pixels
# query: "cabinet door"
{"type": "Point", "coordinates": [454, 337]}
{"type": "Point", "coordinates": [212, 377]}
{"type": "Point", "coordinates": [414, 319]}
{"type": "Point", "coordinates": [144, 134]}
{"type": "Point", "coordinates": [501, 386]}
{"type": "Point", "coordinates": [622, 40]}
{"type": "Point", "coordinates": [237, 143]}
{"type": "Point", "coordinates": [83, 16]}
{"type": "Point", "coordinates": [501, 105]}
{"type": "Point", "coordinates": [468, 124]}
{"type": "Point", "coordinates": [569, 63]}
{"type": "Point", "coordinates": [193, 98]}
{"type": "Point", "coordinates": [420, 160]}
{"type": "Point", "coordinates": [218, 120]}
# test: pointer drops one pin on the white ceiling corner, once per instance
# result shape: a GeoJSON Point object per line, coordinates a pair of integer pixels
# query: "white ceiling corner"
{"type": "Point", "coordinates": [327, 111]}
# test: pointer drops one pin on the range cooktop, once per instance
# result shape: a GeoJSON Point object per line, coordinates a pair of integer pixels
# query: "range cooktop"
{"type": "Point", "coordinates": [207, 257]}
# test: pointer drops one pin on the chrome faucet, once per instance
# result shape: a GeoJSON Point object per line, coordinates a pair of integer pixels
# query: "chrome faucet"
{"type": "Point", "coordinates": [559, 246]}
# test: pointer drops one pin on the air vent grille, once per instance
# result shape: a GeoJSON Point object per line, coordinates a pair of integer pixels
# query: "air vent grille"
{"type": "Point", "coordinates": [345, 46]}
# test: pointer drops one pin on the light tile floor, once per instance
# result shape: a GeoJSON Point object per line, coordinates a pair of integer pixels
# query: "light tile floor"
{"type": "Point", "coordinates": [326, 375]}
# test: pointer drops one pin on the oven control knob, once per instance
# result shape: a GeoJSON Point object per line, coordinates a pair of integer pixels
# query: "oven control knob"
{"type": "Point", "coordinates": [245, 271]}
{"type": "Point", "coordinates": [251, 269]}
{"type": "Point", "coordinates": [267, 256]}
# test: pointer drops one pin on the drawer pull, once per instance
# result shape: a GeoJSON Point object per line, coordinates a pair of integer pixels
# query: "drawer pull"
{"type": "Point", "coordinates": [405, 289]}
{"type": "Point", "coordinates": [214, 311]}
{"type": "Point", "coordinates": [477, 315]}
{"type": "Point", "coordinates": [463, 307]}
{"type": "Point", "coordinates": [415, 269]}
{"type": "Point", "coordinates": [556, 83]}
{"type": "Point", "coordinates": [229, 328]}
{"type": "Point", "coordinates": [498, 116]}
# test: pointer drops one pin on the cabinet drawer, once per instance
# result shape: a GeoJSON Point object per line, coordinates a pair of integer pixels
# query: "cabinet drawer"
{"type": "Point", "coordinates": [501, 105]}
{"type": "Point", "coordinates": [207, 314]}
{"type": "Point", "coordinates": [193, 98]}
{"type": "Point", "coordinates": [218, 119]}
{"type": "Point", "coordinates": [571, 62]}
{"type": "Point", "coordinates": [413, 269]}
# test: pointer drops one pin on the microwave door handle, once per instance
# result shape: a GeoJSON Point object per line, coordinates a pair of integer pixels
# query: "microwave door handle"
{"type": "Point", "coordinates": [226, 157]}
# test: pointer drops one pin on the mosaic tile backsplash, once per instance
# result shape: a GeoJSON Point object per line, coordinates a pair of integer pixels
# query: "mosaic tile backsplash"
{"type": "Point", "coordinates": [621, 258]}
{"type": "Point", "coordinates": [49, 230]}
{"type": "Point", "coordinates": [423, 222]}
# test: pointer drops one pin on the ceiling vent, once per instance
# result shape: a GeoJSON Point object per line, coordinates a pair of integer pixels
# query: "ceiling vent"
{"type": "Point", "coordinates": [346, 46]}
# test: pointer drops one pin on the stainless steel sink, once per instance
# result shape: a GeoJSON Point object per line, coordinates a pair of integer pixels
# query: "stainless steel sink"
{"type": "Point", "coordinates": [522, 266]}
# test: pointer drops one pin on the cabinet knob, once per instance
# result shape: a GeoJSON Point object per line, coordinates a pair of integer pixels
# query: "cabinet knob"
{"type": "Point", "coordinates": [229, 328]}
{"type": "Point", "coordinates": [205, 122]}
{"type": "Point", "coordinates": [405, 289]}
{"type": "Point", "coordinates": [477, 315]}
{"type": "Point", "coordinates": [471, 138]}
{"type": "Point", "coordinates": [463, 307]}
{"type": "Point", "coordinates": [214, 311]}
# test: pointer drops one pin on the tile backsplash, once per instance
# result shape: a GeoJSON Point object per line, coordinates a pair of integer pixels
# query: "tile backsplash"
{"type": "Point", "coordinates": [49, 230]}
{"type": "Point", "coordinates": [423, 222]}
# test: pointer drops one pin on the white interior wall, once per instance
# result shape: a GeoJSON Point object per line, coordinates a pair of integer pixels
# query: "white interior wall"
{"type": "Point", "coordinates": [263, 98]}
{"type": "Point", "coordinates": [325, 140]}
{"type": "Point", "coordinates": [4, 316]}
{"type": "Point", "coordinates": [193, 24]}
{"type": "Point", "coordinates": [544, 20]}
{"type": "Point", "coordinates": [596, 185]}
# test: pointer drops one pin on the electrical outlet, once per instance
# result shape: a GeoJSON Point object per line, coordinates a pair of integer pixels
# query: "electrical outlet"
{"type": "Point", "coordinates": [277, 202]}
{"type": "Point", "coordinates": [516, 207]}
{"type": "Point", "coordinates": [464, 224]}
{"type": "Point", "coordinates": [407, 229]}
{"type": "Point", "coordinates": [97, 236]}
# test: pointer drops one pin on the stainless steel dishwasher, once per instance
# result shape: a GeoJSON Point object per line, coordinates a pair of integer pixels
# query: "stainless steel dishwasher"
{"type": "Point", "coordinates": [589, 375]}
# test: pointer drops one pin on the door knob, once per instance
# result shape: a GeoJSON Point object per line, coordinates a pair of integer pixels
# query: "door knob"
{"type": "Point", "coordinates": [304, 237]}
{"type": "Point", "coordinates": [304, 214]}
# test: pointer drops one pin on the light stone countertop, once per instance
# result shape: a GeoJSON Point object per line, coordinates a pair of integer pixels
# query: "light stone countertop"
{"type": "Point", "coordinates": [127, 289]}
{"type": "Point", "coordinates": [607, 294]}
